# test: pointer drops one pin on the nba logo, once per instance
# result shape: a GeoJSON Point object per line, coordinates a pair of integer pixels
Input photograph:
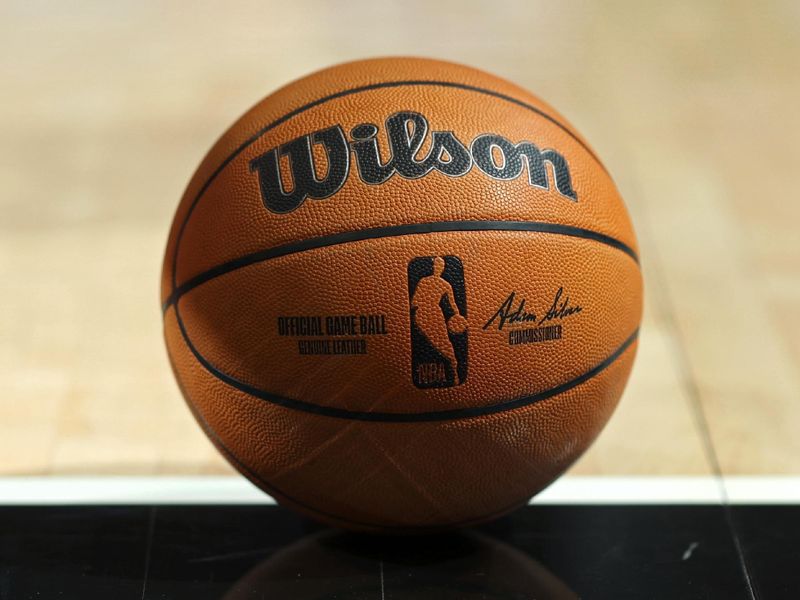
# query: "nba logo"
{"type": "Point", "coordinates": [438, 304]}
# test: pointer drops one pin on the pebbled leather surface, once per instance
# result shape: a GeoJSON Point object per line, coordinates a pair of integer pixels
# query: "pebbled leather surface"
{"type": "Point", "coordinates": [229, 219]}
{"type": "Point", "coordinates": [400, 475]}
{"type": "Point", "coordinates": [237, 332]}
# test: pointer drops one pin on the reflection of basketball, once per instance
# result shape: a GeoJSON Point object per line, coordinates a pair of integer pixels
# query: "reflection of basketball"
{"type": "Point", "coordinates": [456, 324]}
{"type": "Point", "coordinates": [346, 201]}
{"type": "Point", "coordinates": [456, 566]}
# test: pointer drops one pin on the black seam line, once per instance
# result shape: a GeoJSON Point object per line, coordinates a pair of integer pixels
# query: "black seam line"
{"type": "Point", "coordinates": [391, 231]}
{"type": "Point", "coordinates": [442, 415]}
{"type": "Point", "coordinates": [357, 90]}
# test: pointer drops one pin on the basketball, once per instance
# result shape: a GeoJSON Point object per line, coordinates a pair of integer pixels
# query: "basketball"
{"type": "Point", "coordinates": [401, 295]}
{"type": "Point", "coordinates": [457, 324]}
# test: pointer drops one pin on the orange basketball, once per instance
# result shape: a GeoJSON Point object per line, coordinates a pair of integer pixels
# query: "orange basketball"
{"type": "Point", "coordinates": [401, 294]}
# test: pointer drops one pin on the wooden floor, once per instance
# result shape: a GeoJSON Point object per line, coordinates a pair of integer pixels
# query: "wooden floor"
{"type": "Point", "coordinates": [107, 108]}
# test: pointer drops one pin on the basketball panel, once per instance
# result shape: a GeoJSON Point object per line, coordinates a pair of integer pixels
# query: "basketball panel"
{"type": "Point", "coordinates": [231, 220]}
{"type": "Point", "coordinates": [398, 475]}
{"type": "Point", "coordinates": [350, 326]}
{"type": "Point", "coordinates": [330, 82]}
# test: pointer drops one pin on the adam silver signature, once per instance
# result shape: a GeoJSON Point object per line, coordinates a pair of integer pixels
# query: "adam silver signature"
{"type": "Point", "coordinates": [508, 314]}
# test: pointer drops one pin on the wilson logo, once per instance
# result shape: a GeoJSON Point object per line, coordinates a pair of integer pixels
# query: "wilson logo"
{"type": "Point", "coordinates": [406, 132]}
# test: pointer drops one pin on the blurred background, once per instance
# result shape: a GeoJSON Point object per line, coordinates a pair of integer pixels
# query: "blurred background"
{"type": "Point", "coordinates": [107, 107]}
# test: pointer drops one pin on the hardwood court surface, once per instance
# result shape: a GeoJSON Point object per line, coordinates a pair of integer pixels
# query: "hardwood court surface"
{"type": "Point", "coordinates": [107, 109]}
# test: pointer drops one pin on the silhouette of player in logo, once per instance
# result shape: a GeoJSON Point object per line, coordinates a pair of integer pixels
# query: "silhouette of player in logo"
{"type": "Point", "coordinates": [438, 321]}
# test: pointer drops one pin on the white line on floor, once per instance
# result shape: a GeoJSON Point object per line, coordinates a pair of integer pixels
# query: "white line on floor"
{"type": "Point", "coordinates": [236, 490]}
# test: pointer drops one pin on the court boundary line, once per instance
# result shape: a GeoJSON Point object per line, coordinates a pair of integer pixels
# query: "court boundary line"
{"type": "Point", "coordinates": [230, 489]}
